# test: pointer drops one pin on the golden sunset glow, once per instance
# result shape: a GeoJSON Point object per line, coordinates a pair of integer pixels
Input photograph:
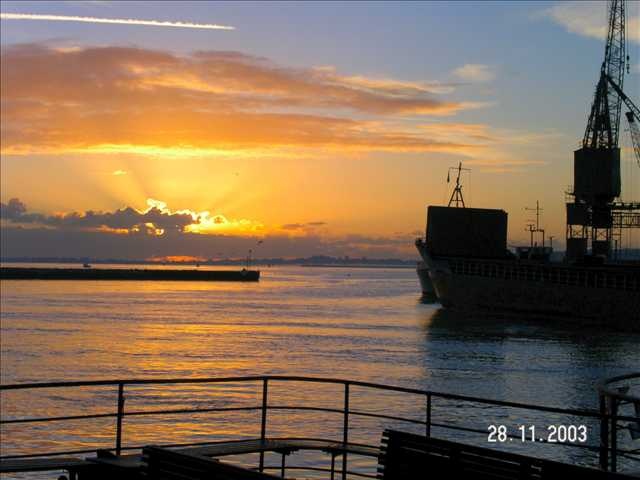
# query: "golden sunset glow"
{"type": "Point", "coordinates": [206, 223]}
{"type": "Point", "coordinates": [184, 140]}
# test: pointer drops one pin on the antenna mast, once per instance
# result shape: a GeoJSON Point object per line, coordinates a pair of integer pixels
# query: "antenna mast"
{"type": "Point", "coordinates": [456, 195]}
{"type": "Point", "coordinates": [536, 228]}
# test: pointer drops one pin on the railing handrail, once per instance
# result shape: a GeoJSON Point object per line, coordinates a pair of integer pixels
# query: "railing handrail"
{"type": "Point", "coordinates": [294, 378]}
{"type": "Point", "coordinates": [607, 445]}
{"type": "Point", "coordinates": [604, 389]}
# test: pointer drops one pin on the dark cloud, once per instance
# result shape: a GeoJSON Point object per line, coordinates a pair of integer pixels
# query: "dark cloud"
{"type": "Point", "coordinates": [292, 226]}
{"type": "Point", "coordinates": [129, 219]}
{"type": "Point", "coordinates": [41, 242]}
{"type": "Point", "coordinates": [13, 210]}
{"type": "Point", "coordinates": [302, 226]}
{"type": "Point", "coordinates": [126, 234]}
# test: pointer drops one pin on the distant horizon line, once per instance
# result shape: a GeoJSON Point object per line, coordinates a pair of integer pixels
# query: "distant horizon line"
{"type": "Point", "coordinates": [308, 260]}
{"type": "Point", "coordinates": [313, 259]}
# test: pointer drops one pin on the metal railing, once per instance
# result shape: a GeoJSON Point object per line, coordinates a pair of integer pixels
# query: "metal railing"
{"type": "Point", "coordinates": [556, 273]}
{"type": "Point", "coordinates": [611, 399]}
{"type": "Point", "coordinates": [606, 451]}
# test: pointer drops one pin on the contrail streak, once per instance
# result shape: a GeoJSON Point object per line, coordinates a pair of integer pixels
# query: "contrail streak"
{"type": "Point", "coordinates": [119, 21]}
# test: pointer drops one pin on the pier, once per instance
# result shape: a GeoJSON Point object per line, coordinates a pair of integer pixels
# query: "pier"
{"type": "Point", "coordinates": [23, 273]}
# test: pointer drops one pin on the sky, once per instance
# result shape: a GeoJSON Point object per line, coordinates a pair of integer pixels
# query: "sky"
{"type": "Point", "coordinates": [314, 128]}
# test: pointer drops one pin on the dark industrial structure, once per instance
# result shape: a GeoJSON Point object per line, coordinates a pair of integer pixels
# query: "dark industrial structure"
{"type": "Point", "coordinates": [465, 252]}
{"type": "Point", "coordinates": [477, 232]}
{"type": "Point", "coordinates": [594, 220]}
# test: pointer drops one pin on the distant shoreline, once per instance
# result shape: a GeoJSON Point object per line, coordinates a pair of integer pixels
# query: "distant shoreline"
{"type": "Point", "coordinates": [356, 265]}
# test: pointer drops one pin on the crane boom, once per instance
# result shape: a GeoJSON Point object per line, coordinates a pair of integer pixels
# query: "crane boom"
{"type": "Point", "coordinates": [632, 115]}
{"type": "Point", "coordinates": [623, 97]}
{"type": "Point", "coordinates": [604, 120]}
{"type": "Point", "coordinates": [635, 134]}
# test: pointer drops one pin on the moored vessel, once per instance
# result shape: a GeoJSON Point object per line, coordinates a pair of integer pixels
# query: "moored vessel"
{"type": "Point", "coordinates": [605, 294]}
{"type": "Point", "coordinates": [470, 267]}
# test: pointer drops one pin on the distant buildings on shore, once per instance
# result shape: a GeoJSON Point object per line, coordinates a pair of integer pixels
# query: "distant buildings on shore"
{"type": "Point", "coordinates": [313, 260]}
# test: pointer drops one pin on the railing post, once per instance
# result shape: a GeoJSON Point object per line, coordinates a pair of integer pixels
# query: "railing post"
{"type": "Point", "coordinates": [428, 415]}
{"type": "Point", "coordinates": [345, 430]}
{"type": "Point", "coordinates": [263, 424]}
{"type": "Point", "coordinates": [604, 434]}
{"type": "Point", "coordinates": [119, 418]}
{"type": "Point", "coordinates": [614, 434]}
{"type": "Point", "coordinates": [333, 465]}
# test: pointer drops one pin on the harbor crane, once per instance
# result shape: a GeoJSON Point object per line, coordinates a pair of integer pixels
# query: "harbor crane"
{"type": "Point", "coordinates": [594, 219]}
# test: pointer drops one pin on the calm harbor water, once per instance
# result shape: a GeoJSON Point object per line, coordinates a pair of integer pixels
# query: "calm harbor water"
{"type": "Point", "coordinates": [357, 323]}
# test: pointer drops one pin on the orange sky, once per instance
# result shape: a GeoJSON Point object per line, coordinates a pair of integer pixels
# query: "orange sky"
{"type": "Point", "coordinates": [250, 146]}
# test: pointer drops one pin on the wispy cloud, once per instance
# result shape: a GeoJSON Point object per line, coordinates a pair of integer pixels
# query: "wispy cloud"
{"type": "Point", "coordinates": [119, 173]}
{"type": "Point", "coordinates": [117, 21]}
{"type": "Point", "coordinates": [498, 150]}
{"type": "Point", "coordinates": [303, 228]}
{"type": "Point", "coordinates": [504, 164]}
{"type": "Point", "coordinates": [474, 72]}
{"type": "Point", "coordinates": [588, 19]}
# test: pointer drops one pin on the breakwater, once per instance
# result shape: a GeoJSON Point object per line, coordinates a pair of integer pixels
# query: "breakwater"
{"type": "Point", "coordinates": [28, 273]}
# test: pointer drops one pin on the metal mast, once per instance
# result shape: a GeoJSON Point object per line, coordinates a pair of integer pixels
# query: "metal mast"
{"type": "Point", "coordinates": [456, 195]}
{"type": "Point", "coordinates": [535, 228]}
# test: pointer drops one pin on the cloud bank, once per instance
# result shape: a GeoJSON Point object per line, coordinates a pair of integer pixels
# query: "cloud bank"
{"type": "Point", "coordinates": [153, 220]}
{"type": "Point", "coordinates": [119, 99]}
{"type": "Point", "coordinates": [37, 242]}
{"type": "Point", "coordinates": [157, 232]}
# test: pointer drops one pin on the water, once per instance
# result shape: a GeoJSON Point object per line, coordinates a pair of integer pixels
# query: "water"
{"type": "Point", "coordinates": [357, 323]}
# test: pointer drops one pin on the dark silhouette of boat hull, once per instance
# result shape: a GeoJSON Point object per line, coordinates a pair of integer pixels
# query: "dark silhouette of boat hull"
{"type": "Point", "coordinates": [607, 295]}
